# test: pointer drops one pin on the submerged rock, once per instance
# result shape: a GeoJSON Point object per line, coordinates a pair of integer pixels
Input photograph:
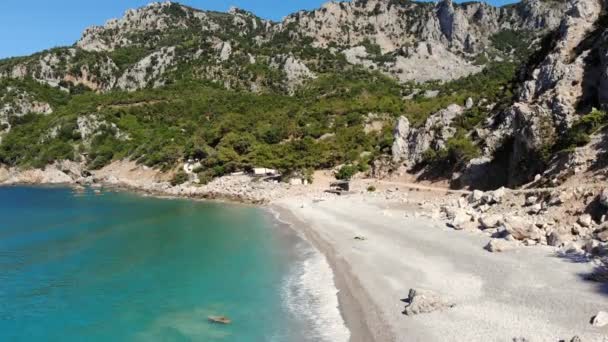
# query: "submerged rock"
{"type": "Point", "coordinates": [219, 319]}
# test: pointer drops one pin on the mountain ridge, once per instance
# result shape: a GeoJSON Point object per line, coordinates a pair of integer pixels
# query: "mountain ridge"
{"type": "Point", "coordinates": [333, 71]}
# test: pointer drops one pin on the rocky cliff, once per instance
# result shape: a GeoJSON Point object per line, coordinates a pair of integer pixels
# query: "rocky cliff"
{"type": "Point", "coordinates": [512, 124]}
{"type": "Point", "coordinates": [409, 41]}
{"type": "Point", "coordinates": [548, 117]}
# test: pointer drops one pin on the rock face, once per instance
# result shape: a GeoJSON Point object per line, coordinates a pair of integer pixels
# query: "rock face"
{"type": "Point", "coordinates": [410, 144]}
{"type": "Point", "coordinates": [563, 84]}
{"type": "Point", "coordinates": [409, 41]}
{"type": "Point", "coordinates": [439, 33]}
{"type": "Point", "coordinates": [15, 102]}
{"type": "Point", "coordinates": [296, 72]}
{"type": "Point", "coordinates": [424, 301]}
{"type": "Point", "coordinates": [147, 71]}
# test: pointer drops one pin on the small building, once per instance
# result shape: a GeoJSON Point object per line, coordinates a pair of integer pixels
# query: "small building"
{"type": "Point", "coordinates": [262, 171]}
{"type": "Point", "coordinates": [298, 181]}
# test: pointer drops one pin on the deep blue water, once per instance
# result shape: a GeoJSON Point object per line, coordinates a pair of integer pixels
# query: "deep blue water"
{"type": "Point", "coordinates": [120, 267]}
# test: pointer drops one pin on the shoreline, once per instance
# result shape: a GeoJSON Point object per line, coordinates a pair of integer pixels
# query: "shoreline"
{"type": "Point", "coordinates": [498, 297]}
{"type": "Point", "coordinates": [353, 300]}
{"type": "Point", "coordinates": [406, 248]}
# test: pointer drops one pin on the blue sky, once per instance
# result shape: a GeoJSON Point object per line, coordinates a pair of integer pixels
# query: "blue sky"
{"type": "Point", "coordinates": [28, 26]}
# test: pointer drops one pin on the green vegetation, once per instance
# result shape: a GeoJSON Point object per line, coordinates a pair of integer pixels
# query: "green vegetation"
{"type": "Point", "coordinates": [179, 178]}
{"type": "Point", "coordinates": [579, 134]}
{"type": "Point", "coordinates": [230, 130]}
{"type": "Point", "coordinates": [513, 42]}
{"type": "Point", "coordinates": [458, 152]}
{"type": "Point", "coordinates": [346, 172]}
{"type": "Point", "coordinates": [227, 130]}
{"type": "Point", "coordinates": [494, 84]}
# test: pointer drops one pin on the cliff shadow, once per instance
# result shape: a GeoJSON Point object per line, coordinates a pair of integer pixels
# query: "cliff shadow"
{"type": "Point", "coordinates": [598, 276]}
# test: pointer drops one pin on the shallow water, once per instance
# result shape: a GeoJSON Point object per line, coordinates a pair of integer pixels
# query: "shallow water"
{"type": "Point", "coordinates": [119, 267]}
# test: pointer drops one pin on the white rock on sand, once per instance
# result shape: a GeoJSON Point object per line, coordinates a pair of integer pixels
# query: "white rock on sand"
{"type": "Point", "coordinates": [500, 245]}
{"type": "Point", "coordinates": [424, 301]}
{"type": "Point", "coordinates": [600, 320]}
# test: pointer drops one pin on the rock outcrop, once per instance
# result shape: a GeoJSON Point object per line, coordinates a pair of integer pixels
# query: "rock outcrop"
{"type": "Point", "coordinates": [409, 41]}
{"type": "Point", "coordinates": [410, 143]}
{"type": "Point", "coordinates": [565, 83]}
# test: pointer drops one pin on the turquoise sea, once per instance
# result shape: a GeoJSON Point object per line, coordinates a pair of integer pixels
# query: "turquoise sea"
{"type": "Point", "coordinates": [121, 267]}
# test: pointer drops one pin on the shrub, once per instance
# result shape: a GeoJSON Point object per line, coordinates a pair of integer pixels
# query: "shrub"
{"type": "Point", "coordinates": [179, 178]}
{"type": "Point", "coordinates": [579, 134]}
{"type": "Point", "coordinates": [459, 150]}
{"type": "Point", "coordinates": [371, 188]}
{"type": "Point", "coordinates": [346, 172]}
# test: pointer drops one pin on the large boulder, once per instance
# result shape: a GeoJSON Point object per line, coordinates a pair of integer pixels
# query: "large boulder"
{"type": "Point", "coordinates": [602, 233]}
{"type": "Point", "coordinates": [476, 196]}
{"type": "Point", "coordinates": [557, 240]}
{"type": "Point", "coordinates": [500, 245]}
{"type": "Point", "coordinates": [424, 301]}
{"type": "Point", "coordinates": [600, 320]}
{"type": "Point", "coordinates": [461, 220]}
{"type": "Point", "coordinates": [490, 221]}
{"type": "Point", "coordinates": [521, 229]}
{"type": "Point", "coordinates": [585, 220]}
{"type": "Point", "coordinates": [493, 197]}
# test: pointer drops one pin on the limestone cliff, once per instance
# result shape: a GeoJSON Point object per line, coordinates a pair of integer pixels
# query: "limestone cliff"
{"type": "Point", "coordinates": [406, 40]}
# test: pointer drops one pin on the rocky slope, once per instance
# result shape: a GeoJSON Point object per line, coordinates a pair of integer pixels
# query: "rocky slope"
{"type": "Point", "coordinates": [533, 135]}
{"type": "Point", "coordinates": [157, 43]}
{"type": "Point", "coordinates": [518, 137]}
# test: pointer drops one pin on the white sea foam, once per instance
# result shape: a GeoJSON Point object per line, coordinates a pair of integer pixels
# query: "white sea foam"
{"type": "Point", "coordinates": [311, 295]}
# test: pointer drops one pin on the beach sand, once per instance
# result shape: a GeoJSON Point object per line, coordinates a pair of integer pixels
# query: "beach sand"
{"type": "Point", "coordinates": [526, 293]}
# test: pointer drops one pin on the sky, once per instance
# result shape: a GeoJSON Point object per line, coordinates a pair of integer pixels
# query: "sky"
{"type": "Point", "coordinates": [28, 26]}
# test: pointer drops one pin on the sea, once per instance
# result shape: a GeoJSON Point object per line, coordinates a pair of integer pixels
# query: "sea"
{"type": "Point", "coordinates": [114, 266]}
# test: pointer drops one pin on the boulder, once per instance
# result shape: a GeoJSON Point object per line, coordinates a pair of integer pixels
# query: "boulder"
{"type": "Point", "coordinates": [424, 301]}
{"type": "Point", "coordinates": [469, 103]}
{"type": "Point", "coordinates": [535, 209]}
{"type": "Point", "coordinates": [521, 229]}
{"type": "Point", "coordinates": [462, 203]}
{"type": "Point", "coordinates": [530, 200]}
{"type": "Point", "coordinates": [461, 220]}
{"type": "Point", "coordinates": [592, 247]}
{"type": "Point", "coordinates": [496, 196]}
{"type": "Point", "coordinates": [476, 196]}
{"type": "Point", "coordinates": [500, 245]}
{"type": "Point", "coordinates": [557, 240]}
{"type": "Point", "coordinates": [600, 320]}
{"type": "Point", "coordinates": [585, 220]}
{"type": "Point", "coordinates": [490, 221]}
{"type": "Point", "coordinates": [559, 198]}
{"type": "Point", "coordinates": [602, 235]}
